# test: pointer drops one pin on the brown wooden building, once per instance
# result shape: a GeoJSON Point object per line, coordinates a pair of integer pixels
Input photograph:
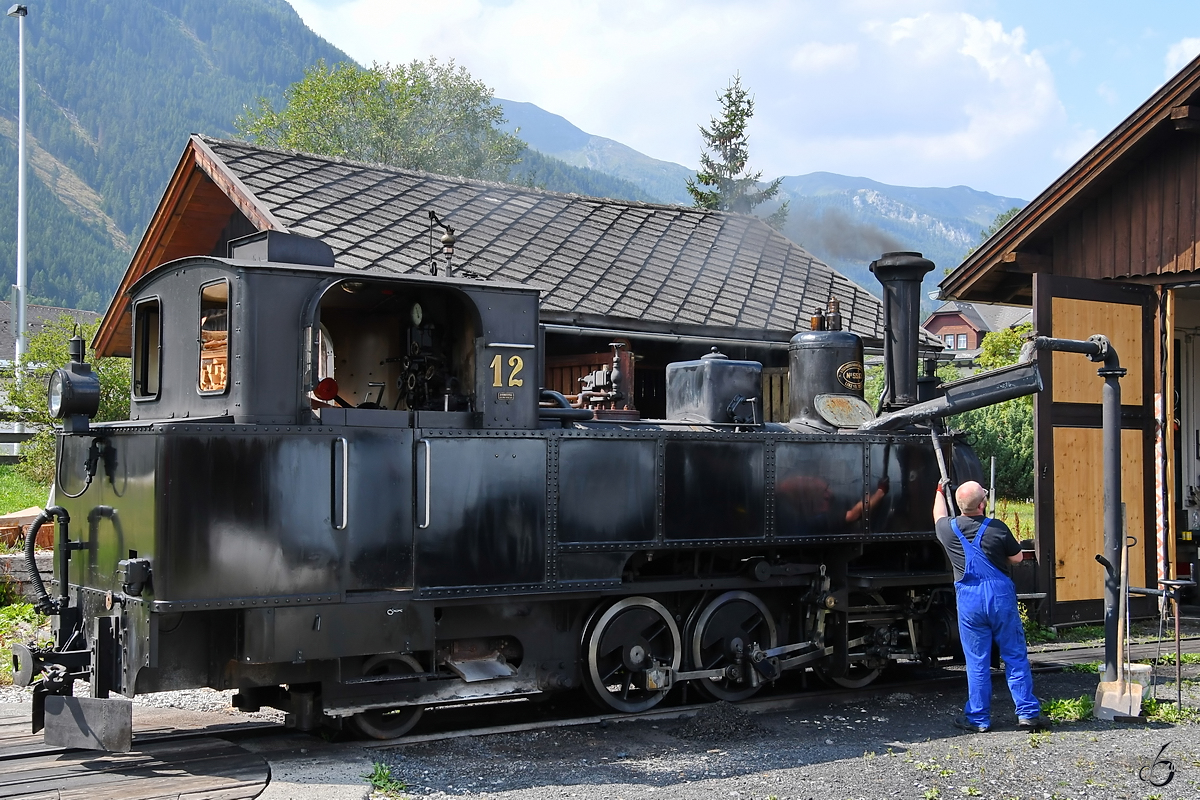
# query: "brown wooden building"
{"type": "Point", "coordinates": [1111, 247]}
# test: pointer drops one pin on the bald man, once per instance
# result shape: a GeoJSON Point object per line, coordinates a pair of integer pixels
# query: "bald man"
{"type": "Point", "coordinates": [980, 550]}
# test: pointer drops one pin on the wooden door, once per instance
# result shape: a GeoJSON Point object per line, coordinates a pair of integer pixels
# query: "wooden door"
{"type": "Point", "coordinates": [1068, 449]}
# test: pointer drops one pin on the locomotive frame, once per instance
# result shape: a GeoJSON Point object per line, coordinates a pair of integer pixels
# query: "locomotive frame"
{"type": "Point", "coordinates": [265, 522]}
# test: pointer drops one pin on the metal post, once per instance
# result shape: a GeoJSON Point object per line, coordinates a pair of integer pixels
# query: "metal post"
{"type": "Point", "coordinates": [1098, 348]}
{"type": "Point", "coordinates": [17, 312]}
{"type": "Point", "coordinates": [992, 489]}
{"type": "Point", "coordinates": [20, 11]}
{"type": "Point", "coordinates": [1111, 423]}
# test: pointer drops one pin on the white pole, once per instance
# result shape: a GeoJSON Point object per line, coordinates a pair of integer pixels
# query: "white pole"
{"type": "Point", "coordinates": [19, 11]}
{"type": "Point", "coordinates": [18, 310]}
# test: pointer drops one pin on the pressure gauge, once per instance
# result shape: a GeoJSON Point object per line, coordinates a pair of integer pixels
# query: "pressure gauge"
{"type": "Point", "coordinates": [417, 314]}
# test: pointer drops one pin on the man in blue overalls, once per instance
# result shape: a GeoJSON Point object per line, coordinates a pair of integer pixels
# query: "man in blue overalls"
{"type": "Point", "coordinates": [980, 550]}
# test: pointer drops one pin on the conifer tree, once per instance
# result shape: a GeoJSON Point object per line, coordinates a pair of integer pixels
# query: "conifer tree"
{"type": "Point", "coordinates": [723, 162]}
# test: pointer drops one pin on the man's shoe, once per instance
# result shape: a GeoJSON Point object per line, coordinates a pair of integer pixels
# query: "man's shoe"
{"type": "Point", "coordinates": [1033, 724]}
{"type": "Point", "coordinates": [961, 723]}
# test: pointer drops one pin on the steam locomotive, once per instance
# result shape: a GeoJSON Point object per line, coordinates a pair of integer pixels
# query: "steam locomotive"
{"type": "Point", "coordinates": [346, 496]}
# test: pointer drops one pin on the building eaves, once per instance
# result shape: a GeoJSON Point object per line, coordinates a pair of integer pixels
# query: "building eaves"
{"type": "Point", "coordinates": [1105, 156]}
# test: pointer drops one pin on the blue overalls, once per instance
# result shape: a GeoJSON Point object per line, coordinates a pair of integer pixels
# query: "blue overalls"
{"type": "Point", "coordinates": [987, 610]}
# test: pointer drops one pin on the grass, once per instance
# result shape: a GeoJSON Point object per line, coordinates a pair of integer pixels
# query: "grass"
{"type": "Point", "coordinates": [1087, 667]}
{"type": "Point", "coordinates": [1081, 633]}
{"type": "Point", "coordinates": [18, 492]}
{"type": "Point", "coordinates": [382, 782]}
{"type": "Point", "coordinates": [1169, 658]}
{"type": "Point", "coordinates": [1017, 515]}
{"type": "Point", "coordinates": [1069, 709]}
{"type": "Point", "coordinates": [1035, 632]}
{"type": "Point", "coordinates": [19, 623]}
{"type": "Point", "coordinates": [1159, 711]}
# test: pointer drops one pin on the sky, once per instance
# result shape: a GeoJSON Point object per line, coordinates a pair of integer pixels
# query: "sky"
{"type": "Point", "coordinates": [1001, 96]}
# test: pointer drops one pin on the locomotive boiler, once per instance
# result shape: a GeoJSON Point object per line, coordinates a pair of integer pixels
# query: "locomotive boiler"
{"type": "Point", "coordinates": [345, 495]}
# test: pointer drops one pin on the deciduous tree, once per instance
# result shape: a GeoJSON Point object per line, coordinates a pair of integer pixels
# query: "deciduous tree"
{"type": "Point", "coordinates": [425, 115]}
{"type": "Point", "coordinates": [46, 352]}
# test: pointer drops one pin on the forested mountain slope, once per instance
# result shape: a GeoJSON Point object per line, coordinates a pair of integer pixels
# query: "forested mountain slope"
{"type": "Point", "coordinates": [113, 90]}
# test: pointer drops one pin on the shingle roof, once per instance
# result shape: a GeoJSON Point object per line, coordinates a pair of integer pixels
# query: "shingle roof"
{"type": "Point", "coordinates": [985, 316]}
{"type": "Point", "coordinates": [37, 318]}
{"type": "Point", "coordinates": [643, 263]}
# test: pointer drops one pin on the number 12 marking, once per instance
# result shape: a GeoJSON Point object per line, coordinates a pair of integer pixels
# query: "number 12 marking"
{"type": "Point", "coordinates": [517, 364]}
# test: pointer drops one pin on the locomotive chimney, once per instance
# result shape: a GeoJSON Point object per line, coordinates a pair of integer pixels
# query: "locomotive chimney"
{"type": "Point", "coordinates": [900, 274]}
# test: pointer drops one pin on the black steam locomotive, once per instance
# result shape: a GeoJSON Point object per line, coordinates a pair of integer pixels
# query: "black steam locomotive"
{"type": "Point", "coordinates": [346, 496]}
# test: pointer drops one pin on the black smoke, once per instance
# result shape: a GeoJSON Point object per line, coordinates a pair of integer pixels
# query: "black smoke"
{"type": "Point", "coordinates": [832, 234]}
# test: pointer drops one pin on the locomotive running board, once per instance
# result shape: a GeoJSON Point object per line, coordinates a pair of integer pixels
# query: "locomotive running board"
{"type": "Point", "coordinates": [482, 669]}
{"type": "Point", "coordinates": [89, 723]}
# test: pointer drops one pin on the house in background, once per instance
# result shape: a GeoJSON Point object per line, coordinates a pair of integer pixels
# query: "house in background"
{"type": "Point", "coordinates": [962, 326]}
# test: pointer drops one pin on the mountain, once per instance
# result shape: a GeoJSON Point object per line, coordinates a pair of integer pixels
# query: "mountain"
{"type": "Point", "coordinates": [848, 222]}
{"type": "Point", "coordinates": [113, 90]}
{"type": "Point", "coordinates": [555, 136]}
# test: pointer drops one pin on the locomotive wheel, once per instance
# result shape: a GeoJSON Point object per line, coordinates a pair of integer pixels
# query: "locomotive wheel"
{"type": "Point", "coordinates": [733, 620]}
{"type": "Point", "coordinates": [858, 675]}
{"type": "Point", "coordinates": [632, 635]}
{"type": "Point", "coordinates": [388, 723]}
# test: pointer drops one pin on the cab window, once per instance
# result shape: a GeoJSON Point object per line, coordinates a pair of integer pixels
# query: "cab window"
{"type": "Point", "coordinates": [214, 337]}
{"type": "Point", "coordinates": [147, 349]}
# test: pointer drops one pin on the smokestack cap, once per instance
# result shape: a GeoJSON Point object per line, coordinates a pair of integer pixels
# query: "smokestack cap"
{"type": "Point", "coordinates": [901, 266]}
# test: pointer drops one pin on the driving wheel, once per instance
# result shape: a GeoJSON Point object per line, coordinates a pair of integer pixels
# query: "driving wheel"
{"type": "Point", "coordinates": [858, 635]}
{"type": "Point", "coordinates": [630, 637]}
{"type": "Point", "coordinates": [388, 723]}
{"type": "Point", "coordinates": [729, 625]}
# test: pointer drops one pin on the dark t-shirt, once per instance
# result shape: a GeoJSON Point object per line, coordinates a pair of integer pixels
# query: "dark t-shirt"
{"type": "Point", "coordinates": [998, 543]}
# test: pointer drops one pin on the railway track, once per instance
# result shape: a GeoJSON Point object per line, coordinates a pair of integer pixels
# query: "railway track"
{"type": "Point", "coordinates": [209, 760]}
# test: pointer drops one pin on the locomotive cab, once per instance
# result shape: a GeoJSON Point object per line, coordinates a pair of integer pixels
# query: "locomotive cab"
{"type": "Point", "coordinates": [216, 339]}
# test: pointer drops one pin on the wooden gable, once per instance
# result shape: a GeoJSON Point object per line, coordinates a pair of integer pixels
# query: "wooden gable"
{"type": "Point", "coordinates": [1129, 209]}
{"type": "Point", "coordinates": [203, 205]}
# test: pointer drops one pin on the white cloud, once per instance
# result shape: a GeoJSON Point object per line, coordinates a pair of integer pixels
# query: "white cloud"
{"type": "Point", "coordinates": [903, 92]}
{"type": "Point", "coordinates": [1179, 55]}
{"type": "Point", "coordinates": [819, 57]}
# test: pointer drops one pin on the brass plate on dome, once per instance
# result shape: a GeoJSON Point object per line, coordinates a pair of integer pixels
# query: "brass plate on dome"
{"type": "Point", "coordinates": [851, 375]}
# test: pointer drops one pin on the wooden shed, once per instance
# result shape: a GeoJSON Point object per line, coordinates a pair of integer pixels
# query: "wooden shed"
{"type": "Point", "coordinates": [1111, 247]}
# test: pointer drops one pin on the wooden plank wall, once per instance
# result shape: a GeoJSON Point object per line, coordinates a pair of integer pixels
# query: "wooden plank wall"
{"type": "Point", "coordinates": [775, 394]}
{"type": "Point", "coordinates": [1145, 223]}
{"type": "Point", "coordinates": [1075, 378]}
{"type": "Point", "coordinates": [563, 373]}
{"type": "Point", "coordinates": [1079, 509]}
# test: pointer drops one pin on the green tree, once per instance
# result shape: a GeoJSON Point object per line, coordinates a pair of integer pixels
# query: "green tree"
{"type": "Point", "coordinates": [999, 222]}
{"type": "Point", "coordinates": [46, 352]}
{"type": "Point", "coordinates": [424, 115]}
{"type": "Point", "coordinates": [723, 163]}
{"type": "Point", "coordinates": [1004, 430]}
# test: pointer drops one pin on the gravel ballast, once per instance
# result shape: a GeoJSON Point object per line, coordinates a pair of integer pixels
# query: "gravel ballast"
{"type": "Point", "coordinates": [896, 745]}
